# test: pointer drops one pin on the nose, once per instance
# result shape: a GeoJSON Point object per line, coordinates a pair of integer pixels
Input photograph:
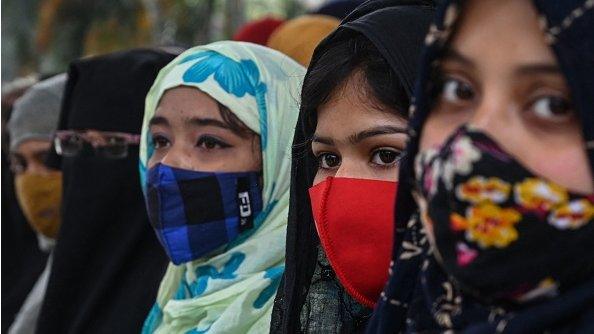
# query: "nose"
{"type": "Point", "coordinates": [177, 157]}
{"type": "Point", "coordinates": [352, 169]}
{"type": "Point", "coordinates": [35, 167]}
{"type": "Point", "coordinates": [491, 115]}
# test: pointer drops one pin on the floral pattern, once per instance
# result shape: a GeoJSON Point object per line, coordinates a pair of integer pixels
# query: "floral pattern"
{"type": "Point", "coordinates": [572, 215]}
{"type": "Point", "coordinates": [430, 172]}
{"type": "Point", "coordinates": [488, 225]}
{"type": "Point", "coordinates": [462, 156]}
{"type": "Point", "coordinates": [465, 255]}
{"type": "Point", "coordinates": [539, 195]}
{"type": "Point", "coordinates": [480, 189]}
{"type": "Point", "coordinates": [548, 287]}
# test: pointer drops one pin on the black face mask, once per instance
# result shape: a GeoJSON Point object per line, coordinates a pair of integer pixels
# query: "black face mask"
{"type": "Point", "coordinates": [500, 231]}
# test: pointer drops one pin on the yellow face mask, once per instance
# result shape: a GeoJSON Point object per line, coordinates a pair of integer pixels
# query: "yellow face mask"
{"type": "Point", "coordinates": [40, 197]}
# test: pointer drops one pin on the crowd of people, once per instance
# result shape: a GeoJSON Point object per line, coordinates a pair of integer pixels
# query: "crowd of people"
{"type": "Point", "coordinates": [388, 166]}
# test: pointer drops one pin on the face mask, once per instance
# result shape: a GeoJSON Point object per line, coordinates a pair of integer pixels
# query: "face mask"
{"type": "Point", "coordinates": [501, 232]}
{"type": "Point", "coordinates": [355, 222]}
{"type": "Point", "coordinates": [195, 213]}
{"type": "Point", "coordinates": [40, 198]}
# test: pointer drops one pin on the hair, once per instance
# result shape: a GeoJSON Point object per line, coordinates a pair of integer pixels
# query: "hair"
{"type": "Point", "coordinates": [237, 126]}
{"type": "Point", "coordinates": [349, 55]}
{"type": "Point", "coordinates": [234, 123]}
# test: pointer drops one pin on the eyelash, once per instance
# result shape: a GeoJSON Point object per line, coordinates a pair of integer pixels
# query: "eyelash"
{"type": "Point", "coordinates": [320, 159]}
{"type": "Point", "coordinates": [399, 155]}
{"type": "Point", "coordinates": [158, 137]}
{"type": "Point", "coordinates": [211, 140]}
{"type": "Point", "coordinates": [445, 78]}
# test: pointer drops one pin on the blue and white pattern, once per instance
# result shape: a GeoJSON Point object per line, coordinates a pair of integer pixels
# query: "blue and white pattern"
{"type": "Point", "coordinates": [233, 291]}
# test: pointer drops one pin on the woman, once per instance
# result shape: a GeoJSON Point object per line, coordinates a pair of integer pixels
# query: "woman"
{"type": "Point", "coordinates": [214, 160]}
{"type": "Point", "coordinates": [107, 261]}
{"type": "Point", "coordinates": [348, 144]}
{"type": "Point", "coordinates": [503, 175]}
{"type": "Point", "coordinates": [38, 188]}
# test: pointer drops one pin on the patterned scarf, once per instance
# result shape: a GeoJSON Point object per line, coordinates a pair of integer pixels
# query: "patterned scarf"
{"type": "Point", "coordinates": [420, 296]}
{"type": "Point", "coordinates": [233, 291]}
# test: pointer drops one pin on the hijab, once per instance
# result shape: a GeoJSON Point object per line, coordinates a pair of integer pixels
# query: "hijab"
{"type": "Point", "coordinates": [419, 295]}
{"type": "Point", "coordinates": [233, 291]}
{"type": "Point", "coordinates": [338, 8]}
{"type": "Point", "coordinates": [297, 38]}
{"type": "Point", "coordinates": [22, 260]}
{"type": "Point", "coordinates": [107, 261]}
{"type": "Point", "coordinates": [396, 29]}
{"type": "Point", "coordinates": [35, 117]}
{"type": "Point", "coordinates": [35, 114]}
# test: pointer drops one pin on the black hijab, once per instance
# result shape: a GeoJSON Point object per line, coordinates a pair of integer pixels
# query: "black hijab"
{"type": "Point", "coordinates": [415, 298]}
{"type": "Point", "coordinates": [107, 262]}
{"type": "Point", "coordinates": [339, 9]}
{"type": "Point", "coordinates": [22, 260]}
{"type": "Point", "coordinates": [396, 29]}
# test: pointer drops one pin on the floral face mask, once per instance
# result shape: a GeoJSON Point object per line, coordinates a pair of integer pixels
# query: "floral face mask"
{"type": "Point", "coordinates": [501, 232]}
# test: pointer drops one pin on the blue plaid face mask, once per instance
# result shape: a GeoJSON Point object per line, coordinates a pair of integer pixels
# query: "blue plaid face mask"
{"type": "Point", "coordinates": [194, 213]}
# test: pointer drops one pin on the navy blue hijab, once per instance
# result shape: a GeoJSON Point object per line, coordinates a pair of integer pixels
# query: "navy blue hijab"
{"type": "Point", "coordinates": [419, 296]}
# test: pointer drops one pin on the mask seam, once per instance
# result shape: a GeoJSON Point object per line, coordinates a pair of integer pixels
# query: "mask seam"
{"type": "Point", "coordinates": [330, 252]}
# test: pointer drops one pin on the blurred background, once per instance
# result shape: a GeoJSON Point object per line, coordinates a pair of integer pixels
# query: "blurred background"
{"type": "Point", "coordinates": [41, 37]}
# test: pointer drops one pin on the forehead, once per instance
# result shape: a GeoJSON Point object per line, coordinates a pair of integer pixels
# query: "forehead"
{"type": "Point", "coordinates": [505, 31]}
{"type": "Point", "coordinates": [187, 102]}
{"type": "Point", "coordinates": [349, 110]}
{"type": "Point", "coordinates": [33, 145]}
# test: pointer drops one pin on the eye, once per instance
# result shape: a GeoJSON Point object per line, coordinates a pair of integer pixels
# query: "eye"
{"type": "Point", "coordinates": [552, 108]}
{"type": "Point", "coordinates": [328, 160]}
{"type": "Point", "coordinates": [456, 91]}
{"type": "Point", "coordinates": [160, 142]}
{"type": "Point", "coordinates": [211, 143]}
{"type": "Point", "coordinates": [386, 157]}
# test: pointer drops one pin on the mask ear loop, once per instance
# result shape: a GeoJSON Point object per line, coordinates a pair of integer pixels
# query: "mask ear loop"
{"type": "Point", "coordinates": [330, 249]}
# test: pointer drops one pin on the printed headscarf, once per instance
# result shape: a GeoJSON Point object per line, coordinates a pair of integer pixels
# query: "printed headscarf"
{"type": "Point", "coordinates": [233, 292]}
{"type": "Point", "coordinates": [419, 296]}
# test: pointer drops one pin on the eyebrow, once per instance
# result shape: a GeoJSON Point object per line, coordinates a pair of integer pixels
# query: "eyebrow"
{"type": "Point", "coordinates": [360, 136]}
{"type": "Point", "coordinates": [322, 140]}
{"type": "Point", "coordinates": [532, 69]}
{"type": "Point", "coordinates": [196, 121]}
{"type": "Point", "coordinates": [158, 120]}
{"type": "Point", "coordinates": [523, 70]}
{"type": "Point", "coordinates": [456, 56]}
{"type": "Point", "coordinates": [376, 131]}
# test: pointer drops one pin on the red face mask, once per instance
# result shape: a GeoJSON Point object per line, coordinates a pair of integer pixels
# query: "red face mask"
{"type": "Point", "coordinates": [355, 222]}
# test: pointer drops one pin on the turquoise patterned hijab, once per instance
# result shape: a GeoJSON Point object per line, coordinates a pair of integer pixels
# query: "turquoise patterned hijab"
{"type": "Point", "coordinates": [233, 291]}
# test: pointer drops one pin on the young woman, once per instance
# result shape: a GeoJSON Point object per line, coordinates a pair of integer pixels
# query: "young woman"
{"type": "Point", "coordinates": [347, 148]}
{"type": "Point", "coordinates": [503, 175]}
{"type": "Point", "coordinates": [215, 164]}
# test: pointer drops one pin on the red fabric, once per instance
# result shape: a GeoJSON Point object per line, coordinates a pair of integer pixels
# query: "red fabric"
{"type": "Point", "coordinates": [258, 31]}
{"type": "Point", "coordinates": [355, 222]}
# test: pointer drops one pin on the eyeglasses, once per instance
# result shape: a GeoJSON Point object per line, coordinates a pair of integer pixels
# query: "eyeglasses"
{"type": "Point", "coordinates": [110, 145]}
